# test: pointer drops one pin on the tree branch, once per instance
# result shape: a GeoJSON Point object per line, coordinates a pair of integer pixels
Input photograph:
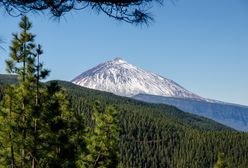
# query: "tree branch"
{"type": "Point", "coordinates": [131, 11]}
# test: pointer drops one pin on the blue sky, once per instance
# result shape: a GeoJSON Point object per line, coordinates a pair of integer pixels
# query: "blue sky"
{"type": "Point", "coordinates": [200, 44]}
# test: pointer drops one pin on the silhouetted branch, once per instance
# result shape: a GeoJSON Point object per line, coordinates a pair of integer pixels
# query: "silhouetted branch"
{"type": "Point", "coordinates": [131, 11]}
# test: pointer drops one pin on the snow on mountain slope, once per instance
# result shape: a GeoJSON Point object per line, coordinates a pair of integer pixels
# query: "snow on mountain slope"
{"type": "Point", "coordinates": [121, 78]}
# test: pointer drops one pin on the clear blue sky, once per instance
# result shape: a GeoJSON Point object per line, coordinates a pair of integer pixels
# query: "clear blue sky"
{"type": "Point", "coordinates": [200, 44]}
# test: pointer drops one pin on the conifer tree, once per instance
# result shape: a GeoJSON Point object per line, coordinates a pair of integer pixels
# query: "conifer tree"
{"type": "Point", "coordinates": [21, 62]}
{"type": "Point", "coordinates": [221, 163]}
{"type": "Point", "coordinates": [63, 130]}
{"type": "Point", "coordinates": [102, 141]}
{"type": "Point", "coordinates": [37, 127]}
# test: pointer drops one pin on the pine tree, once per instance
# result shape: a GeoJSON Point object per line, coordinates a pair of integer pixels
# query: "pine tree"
{"type": "Point", "coordinates": [21, 62]}
{"type": "Point", "coordinates": [102, 141]}
{"type": "Point", "coordinates": [61, 129]}
{"type": "Point", "coordinates": [221, 163]}
{"type": "Point", "coordinates": [37, 126]}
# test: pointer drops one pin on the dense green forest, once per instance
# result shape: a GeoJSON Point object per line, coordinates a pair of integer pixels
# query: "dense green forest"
{"type": "Point", "coordinates": [233, 115]}
{"type": "Point", "coordinates": [162, 136]}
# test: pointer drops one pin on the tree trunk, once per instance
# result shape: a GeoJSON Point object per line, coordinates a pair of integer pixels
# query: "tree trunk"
{"type": "Point", "coordinates": [34, 163]}
{"type": "Point", "coordinates": [10, 137]}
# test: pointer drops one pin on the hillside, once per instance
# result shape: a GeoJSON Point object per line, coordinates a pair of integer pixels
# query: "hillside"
{"type": "Point", "coordinates": [232, 115]}
{"type": "Point", "coordinates": [6, 79]}
{"type": "Point", "coordinates": [186, 119]}
{"type": "Point", "coordinates": [162, 136]}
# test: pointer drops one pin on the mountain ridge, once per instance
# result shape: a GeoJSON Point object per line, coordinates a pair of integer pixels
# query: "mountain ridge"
{"type": "Point", "coordinates": [124, 79]}
{"type": "Point", "coordinates": [232, 115]}
{"type": "Point", "coordinates": [79, 91]}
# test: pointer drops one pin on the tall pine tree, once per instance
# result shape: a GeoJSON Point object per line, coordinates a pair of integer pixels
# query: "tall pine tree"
{"type": "Point", "coordinates": [102, 140]}
{"type": "Point", "coordinates": [37, 125]}
{"type": "Point", "coordinates": [38, 128]}
{"type": "Point", "coordinates": [23, 112]}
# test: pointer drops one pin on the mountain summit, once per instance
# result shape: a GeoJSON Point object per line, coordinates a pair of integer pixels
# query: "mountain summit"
{"type": "Point", "coordinates": [121, 78]}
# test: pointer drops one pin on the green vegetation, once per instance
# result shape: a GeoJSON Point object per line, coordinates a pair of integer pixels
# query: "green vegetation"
{"type": "Point", "coordinates": [20, 107]}
{"type": "Point", "coordinates": [221, 162]}
{"type": "Point", "coordinates": [159, 135]}
{"type": "Point", "coordinates": [102, 140]}
{"type": "Point", "coordinates": [154, 135]}
{"type": "Point", "coordinates": [59, 124]}
{"type": "Point", "coordinates": [37, 125]}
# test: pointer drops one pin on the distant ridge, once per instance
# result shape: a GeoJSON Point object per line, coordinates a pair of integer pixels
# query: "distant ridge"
{"type": "Point", "coordinates": [232, 115]}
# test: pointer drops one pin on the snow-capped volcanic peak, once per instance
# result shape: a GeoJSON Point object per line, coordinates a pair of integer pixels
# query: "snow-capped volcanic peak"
{"type": "Point", "coordinates": [118, 60]}
{"type": "Point", "coordinates": [121, 78]}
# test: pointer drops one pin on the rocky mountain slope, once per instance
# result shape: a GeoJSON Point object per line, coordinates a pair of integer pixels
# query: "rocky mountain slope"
{"type": "Point", "coordinates": [121, 78]}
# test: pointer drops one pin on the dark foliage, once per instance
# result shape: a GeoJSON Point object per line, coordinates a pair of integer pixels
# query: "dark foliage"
{"type": "Point", "coordinates": [132, 11]}
{"type": "Point", "coordinates": [190, 119]}
{"type": "Point", "coordinates": [162, 136]}
{"type": "Point", "coordinates": [37, 128]}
